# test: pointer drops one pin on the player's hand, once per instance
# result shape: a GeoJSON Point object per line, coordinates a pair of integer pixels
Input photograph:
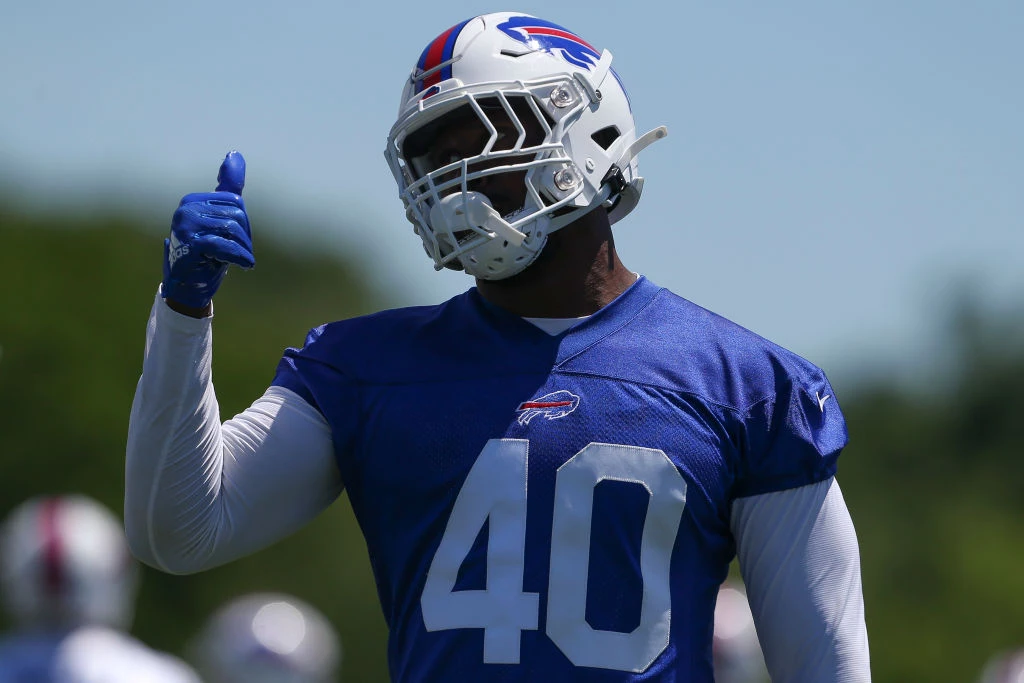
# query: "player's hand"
{"type": "Point", "coordinates": [209, 231]}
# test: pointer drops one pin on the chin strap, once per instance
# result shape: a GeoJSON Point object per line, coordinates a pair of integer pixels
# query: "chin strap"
{"type": "Point", "coordinates": [641, 143]}
{"type": "Point", "coordinates": [623, 195]}
{"type": "Point", "coordinates": [614, 175]}
{"type": "Point", "coordinates": [614, 188]}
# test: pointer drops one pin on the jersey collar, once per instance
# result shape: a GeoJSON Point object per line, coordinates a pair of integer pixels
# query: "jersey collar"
{"type": "Point", "coordinates": [605, 322]}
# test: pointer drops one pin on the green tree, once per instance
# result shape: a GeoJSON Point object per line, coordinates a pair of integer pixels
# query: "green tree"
{"type": "Point", "coordinates": [935, 480]}
{"type": "Point", "coordinates": [73, 310]}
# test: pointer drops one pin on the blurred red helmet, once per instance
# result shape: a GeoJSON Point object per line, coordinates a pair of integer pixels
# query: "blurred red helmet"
{"type": "Point", "coordinates": [64, 562]}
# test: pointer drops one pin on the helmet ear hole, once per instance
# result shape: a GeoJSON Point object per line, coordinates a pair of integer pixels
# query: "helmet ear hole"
{"type": "Point", "coordinates": [606, 137]}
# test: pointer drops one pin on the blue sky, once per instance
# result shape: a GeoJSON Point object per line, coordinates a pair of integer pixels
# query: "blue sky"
{"type": "Point", "coordinates": [833, 171]}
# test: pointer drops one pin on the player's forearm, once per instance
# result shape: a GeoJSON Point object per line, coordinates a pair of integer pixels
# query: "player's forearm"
{"type": "Point", "coordinates": [800, 561]}
{"type": "Point", "coordinates": [174, 451]}
{"type": "Point", "coordinates": [199, 493]}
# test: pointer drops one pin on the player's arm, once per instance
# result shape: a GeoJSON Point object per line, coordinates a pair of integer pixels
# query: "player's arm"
{"type": "Point", "coordinates": [800, 561]}
{"type": "Point", "coordinates": [199, 493]}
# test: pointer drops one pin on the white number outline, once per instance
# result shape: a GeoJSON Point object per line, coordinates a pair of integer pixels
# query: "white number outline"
{"type": "Point", "coordinates": [495, 490]}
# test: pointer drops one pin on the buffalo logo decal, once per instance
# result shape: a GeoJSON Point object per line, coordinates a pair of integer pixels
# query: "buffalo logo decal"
{"type": "Point", "coordinates": [552, 406]}
{"type": "Point", "coordinates": [544, 35]}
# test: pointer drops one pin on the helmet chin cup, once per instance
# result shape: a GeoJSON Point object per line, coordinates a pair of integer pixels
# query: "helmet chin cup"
{"type": "Point", "coordinates": [467, 228]}
{"type": "Point", "coordinates": [463, 211]}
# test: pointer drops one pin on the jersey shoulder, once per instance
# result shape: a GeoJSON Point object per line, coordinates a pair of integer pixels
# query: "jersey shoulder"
{"type": "Point", "coordinates": [384, 334]}
{"type": "Point", "coordinates": [416, 344]}
{"type": "Point", "coordinates": [679, 345]}
{"type": "Point", "coordinates": [389, 327]}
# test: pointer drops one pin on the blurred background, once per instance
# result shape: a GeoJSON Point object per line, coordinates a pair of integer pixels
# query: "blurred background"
{"type": "Point", "coordinates": [847, 181]}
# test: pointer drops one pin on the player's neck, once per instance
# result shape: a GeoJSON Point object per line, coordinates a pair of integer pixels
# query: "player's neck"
{"type": "Point", "coordinates": [576, 274]}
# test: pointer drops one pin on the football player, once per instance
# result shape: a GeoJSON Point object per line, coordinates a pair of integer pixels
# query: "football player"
{"type": "Point", "coordinates": [267, 638]}
{"type": "Point", "coordinates": [68, 586]}
{"type": "Point", "coordinates": [552, 470]}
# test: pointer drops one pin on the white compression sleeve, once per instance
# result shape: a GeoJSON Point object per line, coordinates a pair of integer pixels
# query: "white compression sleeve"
{"type": "Point", "coordinates": [800, 561]}
{"type": "Point", "coordinates": [199, 493]}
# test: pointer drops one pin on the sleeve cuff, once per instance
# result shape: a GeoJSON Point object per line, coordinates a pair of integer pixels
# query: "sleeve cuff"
{"type": "Point", "coordinates": [167, 316]}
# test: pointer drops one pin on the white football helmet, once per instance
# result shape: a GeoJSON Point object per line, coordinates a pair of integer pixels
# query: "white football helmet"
{"type": "Point", "coordinates": [541, 77]}
{"type": "Point", "coordinates": [267, 638]}
{"type": "Point", "coordinates": [1004, 667]}
{"type": "Point", "coordinates": [64, 563]}
{"type": "Point", "coordinates": [736, 649]}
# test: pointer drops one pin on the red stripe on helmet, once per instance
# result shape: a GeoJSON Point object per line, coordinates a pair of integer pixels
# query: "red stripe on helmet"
{"type": "Point", "coordinates": [53, 547]}
{"type": "Point", "coordinates": [434, 58]}
{"type": "Point", "coordinates": [561, 34]}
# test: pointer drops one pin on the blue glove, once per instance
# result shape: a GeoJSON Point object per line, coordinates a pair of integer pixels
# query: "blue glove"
{"type": "Point", "coordinates": [209, 231]}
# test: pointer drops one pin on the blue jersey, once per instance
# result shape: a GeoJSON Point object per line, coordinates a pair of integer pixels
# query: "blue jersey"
{"type": "Point", "coordinates": [29, 658]}
{"type": "Point", "coordinates": [556, 508]}
{"type": "Point", "coordinates": [86, 654]}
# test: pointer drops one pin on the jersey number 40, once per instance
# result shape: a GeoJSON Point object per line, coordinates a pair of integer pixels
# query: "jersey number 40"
{"type": "Point", "coordinates": [495, 491]}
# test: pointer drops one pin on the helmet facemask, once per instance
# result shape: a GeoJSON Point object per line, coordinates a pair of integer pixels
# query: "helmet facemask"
{"type": "Point", "coordinates": [488, 210]}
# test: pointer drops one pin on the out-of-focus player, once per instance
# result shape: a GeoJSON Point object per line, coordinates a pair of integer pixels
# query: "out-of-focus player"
{"type": "Point", "coordinates": [736, 650]}
{"type": "Point", "coordinates": [1004, 667]}
{"type": "Point", "coordinates": [553, 470]}
{"type": "Point", "coordinates": [267, 638]}
{"type": "Point", "coordinates": [68, 586]}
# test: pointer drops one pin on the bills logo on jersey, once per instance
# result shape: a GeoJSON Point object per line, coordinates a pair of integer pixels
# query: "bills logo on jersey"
{"type": "Point", "coordinates": [552, 406]}
{"type": "Point", "coordinates": [544, 35]}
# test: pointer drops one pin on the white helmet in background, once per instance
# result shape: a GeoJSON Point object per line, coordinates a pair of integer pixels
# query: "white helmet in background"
{"type": "Point", "coordinates": [1004, 667]}
{"type": "Point", "coordinates": [547, 81]}
{"type": "Point", "coordinates": [64, 563]}
{"type": "Point", "coordinates": [736, 649]}
{"type": "Point", "coordinates": [267, 638]}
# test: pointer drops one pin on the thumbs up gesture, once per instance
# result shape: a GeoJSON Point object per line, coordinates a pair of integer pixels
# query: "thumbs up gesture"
{"type": "Point", "coordinates": [209, 231]}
